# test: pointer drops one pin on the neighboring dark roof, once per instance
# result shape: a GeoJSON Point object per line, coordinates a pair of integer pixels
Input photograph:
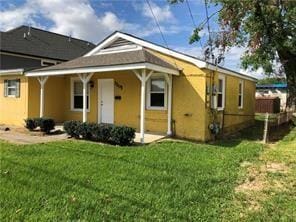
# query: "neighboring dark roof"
{"type": "Point", "coordinates": [272, 86]}
{"type": "Point", "coordinates": [43, 44]}
{"type": "Point", "coordinates": [111, 59]}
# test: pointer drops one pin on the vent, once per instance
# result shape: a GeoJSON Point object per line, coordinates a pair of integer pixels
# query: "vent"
{"type": "Point", "coordinates": [119, 42]}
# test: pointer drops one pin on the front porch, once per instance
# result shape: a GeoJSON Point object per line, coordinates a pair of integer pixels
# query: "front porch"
{"type": "Point", "coordinates": [137, 95]}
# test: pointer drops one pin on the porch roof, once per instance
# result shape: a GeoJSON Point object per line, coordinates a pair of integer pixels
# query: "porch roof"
{"type": "Point", "coordinates": [125, 60]}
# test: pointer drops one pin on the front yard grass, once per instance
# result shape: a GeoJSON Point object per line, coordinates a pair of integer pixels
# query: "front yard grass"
{"type": "Point", "coordinates": [167, 181]}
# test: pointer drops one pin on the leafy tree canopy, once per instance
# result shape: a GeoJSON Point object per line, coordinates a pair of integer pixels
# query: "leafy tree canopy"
{"type": "Point", "coordinates": [267, 28]}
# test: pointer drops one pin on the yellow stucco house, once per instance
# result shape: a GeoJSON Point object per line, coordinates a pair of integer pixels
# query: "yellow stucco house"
{"type": "Point", "coordinates": [127, 80]}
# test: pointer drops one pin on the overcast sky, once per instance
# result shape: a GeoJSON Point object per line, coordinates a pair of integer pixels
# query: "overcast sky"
{"type": "Point", "coordinates": [93, 20]}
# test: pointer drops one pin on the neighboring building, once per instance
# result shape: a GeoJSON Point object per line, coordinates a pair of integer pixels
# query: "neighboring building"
{"type": "Point", "coordinates": [25, 48]}
{"type": "Point", "coordinates": [273, 90]}
{"type": "Point", "coordinates": [127, 80]}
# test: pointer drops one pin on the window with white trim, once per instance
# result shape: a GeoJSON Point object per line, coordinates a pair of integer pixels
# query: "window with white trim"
{"type": "Point", "coordinates": [77, 95]}
{"type": "Point", "coordinates": [12, 88]}
{"type": "Point", "coordinates": [156, 98]}
{"type": "Point", "coordinates": [240, 94]}
{"type": "Point", "coordinates": [221, 92]}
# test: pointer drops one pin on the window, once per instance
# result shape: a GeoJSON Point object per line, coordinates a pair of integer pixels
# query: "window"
{"type": "Point", "coordinates": [12, 88]}
{"type": "Point", "coordinates": [221, 92]}
{"type": "Point", "coordinates": [156, 93]}
{"type": "Point", "coordinates": [77, 95]}
{"type": "Point", "coordinates": [240, 94]}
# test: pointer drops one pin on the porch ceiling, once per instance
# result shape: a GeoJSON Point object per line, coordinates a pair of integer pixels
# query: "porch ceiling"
{"type": "Point", "coordinates": [127, 60]}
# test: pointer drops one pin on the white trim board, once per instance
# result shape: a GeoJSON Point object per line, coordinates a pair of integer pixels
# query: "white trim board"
{"type": "Point", "coordinates": [6, 72]}
{"type": "Point", "coordinates": [103, 69]}
{"type": "Point", "coordinates": [199, 63]}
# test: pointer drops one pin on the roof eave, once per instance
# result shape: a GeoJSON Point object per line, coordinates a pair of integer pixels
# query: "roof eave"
{"type": "Point", "coordinates": [228, 71]}
{"type": "Point", "coordinates": [95, 69]}
{"type": "Point", "coordinates": [8, 72]}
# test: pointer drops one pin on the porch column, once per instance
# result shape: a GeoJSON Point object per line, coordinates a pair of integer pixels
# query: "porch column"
{"type": "Point", "coordinates": [85, 77]}
{"type": "Point", "coordinates": [169, 81]}
{"type": "Point", "coordinates": [42, 80]}
{"type": "Point", "coordinates": [142, 118]}
{"type": "Point", "coordinates": [143, 78]}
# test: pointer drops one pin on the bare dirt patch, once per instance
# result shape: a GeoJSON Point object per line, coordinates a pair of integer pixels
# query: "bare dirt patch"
{"type": "Point", "coordinates": [256, 184]}
{"type": "Point", "coordinates": [257, 177]}
{"type": "Point", "coordinates": [276, 167]}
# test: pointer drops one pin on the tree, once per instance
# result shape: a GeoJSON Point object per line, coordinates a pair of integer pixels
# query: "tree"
{"type": "Point", "coordinates": [267, 28]}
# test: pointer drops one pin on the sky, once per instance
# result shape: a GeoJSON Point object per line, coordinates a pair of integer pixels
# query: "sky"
{"type": "Point", "coordinates": [93, 20]}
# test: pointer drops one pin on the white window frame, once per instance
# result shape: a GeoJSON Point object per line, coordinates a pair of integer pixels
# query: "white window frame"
{"type": "Point", "coordinates": [241, 94]}
{"type": "Point", "coordinates": [221, 77]}
{"type": "Point", "coordinates": [12, 87]}
{"type": "Point", "coordinates": [76, 79]}
{"type": "Point", "coordinates": [148, 93]}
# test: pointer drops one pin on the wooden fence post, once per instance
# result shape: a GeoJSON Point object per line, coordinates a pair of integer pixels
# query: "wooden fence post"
{"type": "Point", "coordinates": [265, 132]}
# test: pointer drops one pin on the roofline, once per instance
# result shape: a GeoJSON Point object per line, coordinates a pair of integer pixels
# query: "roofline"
{"type": "Point", "coordinates": [132, 66]}
{"type": "Point", "coordinates": [30, 55]}
{"type": "Point", "coordinates": [6, 72]}
{"type": "Point", "coordinates": [230, 72]}
{"type": "Point", "coordinates": [49, 32]}
{"type": "Point", "coordinates": [194, 60]}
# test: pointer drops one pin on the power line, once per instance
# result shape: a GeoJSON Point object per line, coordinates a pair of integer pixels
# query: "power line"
{"type": "Point", "coordinates": [162, 35]}
{"type": "Point", "coordinates": [190, 12]}
{"type": "Point", "coordinates": [192, 19]}
{"type": "Point", "coordinates": [163, 38]}
{"type": "Point", "coordinates": [209, 31]}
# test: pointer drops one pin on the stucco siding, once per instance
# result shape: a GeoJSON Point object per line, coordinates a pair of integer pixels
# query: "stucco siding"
{"type": "Point", "coordinates": [14, 110]}
{"type": "Point", "coordinates": [233, 118]}
{"type": "Point", "coordinates": [125, 110]}
{"type": "Point", "coordinates": [54, 99]}
{"type": "Point", "coordinates": [188, 105]}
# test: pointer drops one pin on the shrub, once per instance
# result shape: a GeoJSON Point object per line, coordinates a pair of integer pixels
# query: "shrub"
{"type": "Point", "coordinates": [37, 121]}
{"type": "Point", "coordinates": [85, 130]}
{"type": "Point", "coordinates": [102, 132]}
{"type": "Point", "coordinates": [108, 133]}
{"type": "Point", "coordinates": [30, 124]}
{"type": "Point", "coordinates": [122, 135]}
{"type": "Point", "coordinates": [71, 128]}
{"type": "Point", "coordinates": [46, 125]}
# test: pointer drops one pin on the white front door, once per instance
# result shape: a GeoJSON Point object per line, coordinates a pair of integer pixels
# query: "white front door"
{"type": "Point", "coordinates": [106, 100]}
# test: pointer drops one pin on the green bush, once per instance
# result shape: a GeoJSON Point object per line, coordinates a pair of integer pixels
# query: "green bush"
{"type": "Point", "coordinates": [30, 124]}
{"type": "Point", "coordinates": [46, 125]}
{"type": "Point", "coordinates": [107, 133]}
{"type": "Point", "coordinates": [37, 121]}
{"type": "Point", "coordinates": [102, 132]}
{"type": "Point", "coordinates": [71, 128]}
{"type": "Point", "coordinates": [122, 135]}
{"type": "Point", "coordinates": [85, 130]}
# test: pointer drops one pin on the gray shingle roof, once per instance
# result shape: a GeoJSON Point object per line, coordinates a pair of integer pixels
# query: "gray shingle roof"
{"type": "Point", "coordinates": [112, 59]}
{"type": "Point", "coordinates": [43, 44]}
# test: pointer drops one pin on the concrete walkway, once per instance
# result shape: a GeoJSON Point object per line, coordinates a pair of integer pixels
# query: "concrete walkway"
{"type": "Point", "coordinates": [13, 136]}
{"type": "Point", "coordinates": [149, 137]}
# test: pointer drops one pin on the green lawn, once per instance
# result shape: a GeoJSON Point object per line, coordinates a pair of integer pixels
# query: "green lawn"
{"type": "Point", "coordinates": [168, 181]}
